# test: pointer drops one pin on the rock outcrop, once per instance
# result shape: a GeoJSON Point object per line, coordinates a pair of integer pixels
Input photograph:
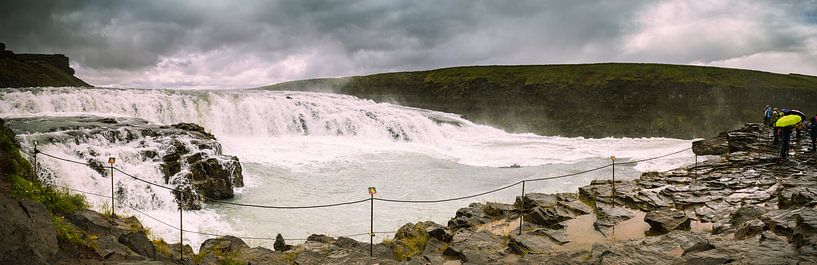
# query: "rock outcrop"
{"type": "Point", "coordinates": [190, 159]}
{"type": "Point", "coordinates": [36, 70]}
{"type": "Point", "coordinates": [27, 233]}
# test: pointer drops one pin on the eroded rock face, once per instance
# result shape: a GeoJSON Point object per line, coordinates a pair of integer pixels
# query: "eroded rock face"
{"type": "Point", "coordinates": [714, 146]}
{"type": "Point", "coordinates": [189, 158]}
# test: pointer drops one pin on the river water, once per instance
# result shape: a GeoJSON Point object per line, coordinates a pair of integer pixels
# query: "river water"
{"type": "Point", "coordinates": [302, 148]}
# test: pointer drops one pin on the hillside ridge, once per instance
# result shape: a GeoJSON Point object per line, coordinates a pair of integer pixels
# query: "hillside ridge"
{"type": "Point", "coordinates": [36, 70]}
{"type": "Point", "coordinates": [590, 100]}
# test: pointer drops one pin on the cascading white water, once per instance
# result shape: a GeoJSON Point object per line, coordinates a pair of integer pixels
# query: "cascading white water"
{"type": "Point", "coordinates": [303, 148]}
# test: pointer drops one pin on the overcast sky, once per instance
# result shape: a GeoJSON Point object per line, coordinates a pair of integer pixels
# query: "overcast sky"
{"type": "Point", "coordinates": [233, 44]}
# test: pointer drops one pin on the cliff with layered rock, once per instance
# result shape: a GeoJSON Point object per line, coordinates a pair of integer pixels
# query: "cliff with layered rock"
{"type": "Point", "coordinates": [590, 100]}
{"type": "Point", "coordinates": [189, 158]}
{"type": "Point", "coordinates": [36, 70]}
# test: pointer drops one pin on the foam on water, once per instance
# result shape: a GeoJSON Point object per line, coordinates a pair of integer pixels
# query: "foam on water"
{"type": "Point", "coordinates": [302, 148]}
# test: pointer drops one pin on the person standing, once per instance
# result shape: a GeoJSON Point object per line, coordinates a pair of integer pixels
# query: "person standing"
{"type": "Point", "coordinates": [767, 116]}
{"type": "Point", "coordinates": [785, 136]}
{"type": "Point", "coordinates": [776, 114]}
{"type": "Point", "coordinates": [799, 127]}
{"type": "Point", "coordinates": [814, 134]}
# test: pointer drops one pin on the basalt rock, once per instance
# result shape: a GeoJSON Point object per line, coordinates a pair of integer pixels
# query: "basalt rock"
{"type": "Point", "coordinates": [713, 146]}
{"type": "Point", "coordinates": [188, 157]}
{"type": "Point", "coordinates": [281, 245]}
{"type": "Point", "coordinates": [28, 235]}
{"type": "Point", "coordinates": [665, 220]}
{"type": "Point", "coordinates": [470, 216]}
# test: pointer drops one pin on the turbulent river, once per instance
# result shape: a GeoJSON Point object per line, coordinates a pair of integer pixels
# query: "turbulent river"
{"type": "Point", "coordinates": [301, 148]}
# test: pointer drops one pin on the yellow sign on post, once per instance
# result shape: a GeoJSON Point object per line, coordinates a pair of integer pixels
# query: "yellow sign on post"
{"type": "Point", "coordinates": [372, 191]}
{"type": "Point", "coordinates": [111, 160]}
{"type": "Point", "coordinates": [613, 158]}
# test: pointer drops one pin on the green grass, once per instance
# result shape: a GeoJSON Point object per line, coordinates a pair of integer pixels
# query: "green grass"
{"type": "Point", "coordinates": [12, 163]}
{"type": "Point", "coordinates": [56, 201]}
{"type": "Point", "coordinates": [406, 248]}
{"type": "Point", "coordinates": [23, 185]}
{"type": "Point", "coordinates": [71, 233]}
{"type": "Point", "coordinates": [162, 247]}
{"type": "Point", "coordinates": [591, 100]}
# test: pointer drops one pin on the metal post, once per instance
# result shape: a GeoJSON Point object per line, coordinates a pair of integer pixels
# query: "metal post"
{"type": "Point", "coordinates": [522, 208]}
{"type": "Point", "coordinates": [613, 159]}
{"type": "Point", "coordinates": [36, 166]}
{"type": "Point", "coordinates": [372, 192]}
{"type": "Point", "coordinates": [111, 161]}
{"type": "Point", "coordinates": [181, 227]}
{"type": "Point", "coordinates": [371, 228]}
{"type": "Point", "coordinates": [696, 168]}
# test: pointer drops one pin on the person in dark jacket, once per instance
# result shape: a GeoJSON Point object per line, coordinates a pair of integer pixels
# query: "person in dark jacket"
{"type": "Point", "coordinates": [767, 115]}
{"type": "Point", "coordinates": [814, 134]}
{"type": "Point", "coordinates": [785, 136]}
{"type": "Point", "coordinates": [776, 114]}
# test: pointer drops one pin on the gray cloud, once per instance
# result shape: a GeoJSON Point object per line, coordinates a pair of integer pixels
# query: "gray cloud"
{"type": "Point", "coordinates": [249, 43]}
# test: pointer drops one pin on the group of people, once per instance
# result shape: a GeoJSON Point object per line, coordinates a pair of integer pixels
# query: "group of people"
{"type": "Point", "coordinates": [782, 126]}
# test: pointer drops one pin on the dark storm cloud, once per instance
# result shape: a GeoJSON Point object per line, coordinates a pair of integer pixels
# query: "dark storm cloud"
{"type": "Point", "coordinates": [246, 43]}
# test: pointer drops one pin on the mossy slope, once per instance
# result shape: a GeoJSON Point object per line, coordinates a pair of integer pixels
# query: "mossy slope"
{"type": "Point", "coordinates": [591, 100]}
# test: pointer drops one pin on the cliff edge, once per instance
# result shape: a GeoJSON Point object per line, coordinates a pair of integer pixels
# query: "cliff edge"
{"type": "Point", "coordinates": [36, 70]}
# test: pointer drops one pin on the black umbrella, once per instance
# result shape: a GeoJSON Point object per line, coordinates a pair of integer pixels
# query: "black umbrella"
{"type": "Point", "coordinates": [795, 112]}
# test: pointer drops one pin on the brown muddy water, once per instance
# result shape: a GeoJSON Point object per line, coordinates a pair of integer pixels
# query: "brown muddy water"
{"type": "Point", "coordinates": [582, 234]}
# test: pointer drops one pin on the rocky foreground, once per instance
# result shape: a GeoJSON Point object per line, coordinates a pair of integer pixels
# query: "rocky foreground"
{"type": "Point", "coordinates": [746, 208]}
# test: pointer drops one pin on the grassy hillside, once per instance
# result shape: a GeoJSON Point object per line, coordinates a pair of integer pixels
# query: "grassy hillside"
{"type": "Point", "coordinates": [36, 70]}
{"type": "Point", "coordinates": [591, 100]}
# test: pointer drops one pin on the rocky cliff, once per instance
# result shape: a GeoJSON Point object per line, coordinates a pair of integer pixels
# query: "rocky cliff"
{"type": "Point", "coordinates": [189, 158]}
{"type": "Point", "coordinates": [36, 70]}
{"type": "Point", "coordinates": [592, 100]}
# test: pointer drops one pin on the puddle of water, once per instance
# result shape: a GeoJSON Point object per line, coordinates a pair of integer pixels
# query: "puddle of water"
{"type": "Point", "coordinates": [501, 227]}
{"type": "Point", "coordinates": [676, 252]}
{"type": "Point", "coordinates": [698, 226]}
{"type": "Point", "coordinates": [582, 235]}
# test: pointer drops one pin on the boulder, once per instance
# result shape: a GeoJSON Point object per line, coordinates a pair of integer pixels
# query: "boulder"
{"type": "Point", "coordinates": [714, 146]}
{"type": "Point", "coordinates": [28, 236]}
{"type": "Point", "coordinates": [798, 196]}
{"type": "Point", "coordinates": [549, 217]}
{"type": "Point", "coordinates": [475, 247]}
{"type": "Point", "coordinates": [608, 217]}
{"type": "Point", "coordinates": [280, 245]}
{"type": "Point", "coordinates": [528, 243]}
{"type": "Point", "coordinates": [210, 179]}
{"type": "Point", "coordinates": [439, 232]}
{"type": "Point", "coordinates": [139, 243]}
{"type": "Point", "coordinates": [749, 229]}
{"type": "Point", "coordinates": [320, 238]}
{"type": "Point", "coordinates": [531, 200]}
{"type": "Point", "coordinates": [470, 216]}
{"type": "Point", "coordinates": [263, 256]}
{"type": "Point", "coordinates": [664, 220]}
{"type": "Point", "coordinates": [224, 244]}
{"type": "Point", "coordinates": [494, 209]}
{"type": "Point", "coordinates": [746, 213]}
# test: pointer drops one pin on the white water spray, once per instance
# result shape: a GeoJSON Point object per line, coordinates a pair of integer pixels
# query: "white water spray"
{"type": "Point", "coordinates": [305, 148]}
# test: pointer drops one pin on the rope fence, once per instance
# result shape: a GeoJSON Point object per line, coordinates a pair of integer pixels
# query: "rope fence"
{"type": "Point", "coordinates": [371, 199]}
